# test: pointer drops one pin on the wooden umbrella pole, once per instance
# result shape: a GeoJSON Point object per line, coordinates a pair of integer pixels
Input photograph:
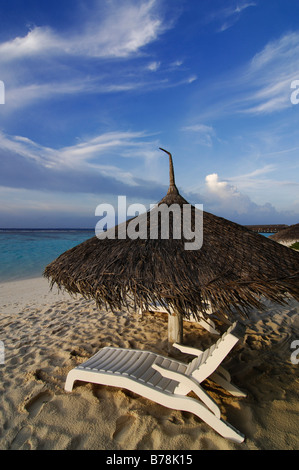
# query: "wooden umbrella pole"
{"type": "Point", "coordinates": [175, 328]}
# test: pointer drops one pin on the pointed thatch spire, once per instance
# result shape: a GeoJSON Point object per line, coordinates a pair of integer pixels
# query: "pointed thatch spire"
{"type": "Point", "coordinates": [172, 187]}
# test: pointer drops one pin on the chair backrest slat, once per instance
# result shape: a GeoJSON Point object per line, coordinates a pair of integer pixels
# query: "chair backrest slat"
{"type": "Point", "coordinates": [205, 364]}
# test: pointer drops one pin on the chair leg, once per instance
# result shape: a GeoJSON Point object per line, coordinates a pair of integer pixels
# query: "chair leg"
{"type": "Point", "coordinates": [223, 428]}
{"type": "Point", "coordinates": [69, 383]}
{"type": "Point", "coordinates": [227, 385]}
{"type": "Point", "coordinates": [220, 370]}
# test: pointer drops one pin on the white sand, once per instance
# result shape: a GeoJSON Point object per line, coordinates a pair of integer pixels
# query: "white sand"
{"type": "Point", "coordinates": [47, 334]}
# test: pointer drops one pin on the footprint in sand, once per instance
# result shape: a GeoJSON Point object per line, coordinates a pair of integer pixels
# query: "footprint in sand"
{"type": "Point", "coordinates": [35, 405]}
{"type": "Point", "coordinates": [22, 439]}
{"type": "Point", "coordinates": [123, 428]}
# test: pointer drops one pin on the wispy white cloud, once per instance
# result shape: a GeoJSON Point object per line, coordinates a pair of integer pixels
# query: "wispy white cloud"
{"type": "Point", "coordinates": [98, 157]}
{"type": "Point", "coordinates": [115, 32]}
{"type": "Point", "coordinates": [39, 40]}
{"type": "Point", "coordinates": [203, 133]}
{"type": "Point", "coordinates": [227, 16]}
{"type": "Point", "coordinates": [79, 156]}
{"type": "Point", "coordinates": [282, 152]}
{"type": "Point", "coordinates": [232, 15]}
{"type": "Point", "coordinates": [43, 64]}
{"type": "Point", "coordinates": [19, 95]}
{"type": "Point", "coordinates": [253, 174]}
{"type": "Point", "coordinates": [177, 63]}
{"type": "Point", "coordinates": [271, 73]}
{"type": "Point", "coordinates": [192, 79]}
{"type": "Point", "coordinates": [110, 30]}
{"type": "Point", "coordinates": [261, 86]}
{"type": "Point", "coordinates": [254, 180]}
{"type": "Point", "coordinates": [153, 66]}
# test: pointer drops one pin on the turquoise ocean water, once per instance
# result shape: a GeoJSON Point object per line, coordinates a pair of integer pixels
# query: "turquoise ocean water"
{"type": "Point", "coordinates": [25, 253]}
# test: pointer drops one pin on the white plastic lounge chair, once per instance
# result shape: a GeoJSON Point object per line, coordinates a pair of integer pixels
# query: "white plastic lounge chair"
{"type": "Point", "coordinates": [165, 380]}
{"type": "Point", "coordinates": [206, 323]}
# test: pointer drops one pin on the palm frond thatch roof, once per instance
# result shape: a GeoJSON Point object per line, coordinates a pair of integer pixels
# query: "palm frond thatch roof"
{"type": "Point", "coordinates": [233, 270]}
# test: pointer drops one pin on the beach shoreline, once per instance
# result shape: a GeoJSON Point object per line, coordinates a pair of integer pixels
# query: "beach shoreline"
{"type": "Point", "coordinates": [46, 333]}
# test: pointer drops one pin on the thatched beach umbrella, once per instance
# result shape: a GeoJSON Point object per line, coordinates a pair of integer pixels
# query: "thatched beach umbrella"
{"type": "Point", "coordinates": [233, 271]}
{"type": "Point", "coordinates": [287, 236]}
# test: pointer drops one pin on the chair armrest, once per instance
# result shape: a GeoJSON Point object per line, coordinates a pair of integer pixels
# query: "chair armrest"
{"type": "Point", "coordinates": [191, 384]}
{"type": "Point", "coordinates": [188, 349]}
{"type": "Point", "coordinates": [170, 374]}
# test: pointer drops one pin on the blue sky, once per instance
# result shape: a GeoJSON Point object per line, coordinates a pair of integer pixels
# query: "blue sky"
{"type": "Point", "coordinates": [93, 88]}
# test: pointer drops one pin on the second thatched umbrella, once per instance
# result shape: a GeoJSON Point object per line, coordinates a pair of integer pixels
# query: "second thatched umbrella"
{"type": "Point", "coordinates": [287, 236]}
{"type": "Point", "coordinates": [233, 271]}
